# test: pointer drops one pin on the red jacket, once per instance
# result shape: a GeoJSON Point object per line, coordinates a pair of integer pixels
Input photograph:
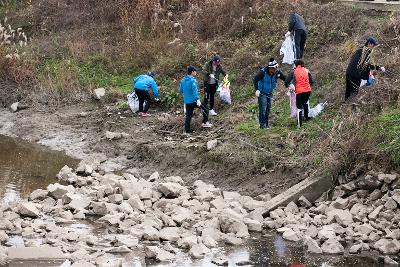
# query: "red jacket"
{"type": "Point", "coordinates": [302, 78]}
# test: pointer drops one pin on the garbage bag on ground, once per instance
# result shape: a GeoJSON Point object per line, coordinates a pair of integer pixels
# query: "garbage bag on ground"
{"type": "Point", "coordinates": [133, 102]}
{"type": "Point", "coordinates": [315, 111]}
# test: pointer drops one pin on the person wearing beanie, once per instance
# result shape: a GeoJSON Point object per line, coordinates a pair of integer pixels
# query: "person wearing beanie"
{"type": "Point", "coordinates": [359, 67]}
{"type": "Point", "coordinates": [212, 72]}
{"type": "Point", "coordinates": [141, 85]}
{"type": "Point", "coordinates": [265, 83]}
{"type": "Point", "coordinates": [190, 90]}
{"type": "Point", "coordinates": [300, 80]}
{"type": "Point", "coordinates": [297, 27]}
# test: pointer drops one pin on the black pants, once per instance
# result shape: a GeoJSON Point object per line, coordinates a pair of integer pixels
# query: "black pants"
{"type": "Point", "coordinates": [144, 99]}
{"type": "Point", "coordinates": [352, 86]}
{"type": "Point", "coordinates": [209, 94]}
{"type": "Point", "coordinates": [189, 114]}
{"type": "Point", "coordinates": [300, 37]}
{"type": "Point", "coordinates": [301, 103]}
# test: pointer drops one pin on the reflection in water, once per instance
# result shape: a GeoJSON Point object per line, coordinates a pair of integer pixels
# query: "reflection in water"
{"type": "Point", "coordinates": [25, 167]}
{"type": "Point", "coordinates": [280, 246]}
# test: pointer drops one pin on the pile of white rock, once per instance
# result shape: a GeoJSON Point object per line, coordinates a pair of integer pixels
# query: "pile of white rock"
{"type": "Point", "coordinates": [363, 215]}
{"type": "Point", "coordinates": [159, 216]}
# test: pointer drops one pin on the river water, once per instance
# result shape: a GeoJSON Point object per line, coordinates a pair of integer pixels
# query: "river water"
{"type": "Point", "coordinates": [25, 167]}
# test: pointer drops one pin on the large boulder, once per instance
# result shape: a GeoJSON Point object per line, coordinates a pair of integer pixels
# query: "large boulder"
{"type": "Point", "coordinates": [253, 225]}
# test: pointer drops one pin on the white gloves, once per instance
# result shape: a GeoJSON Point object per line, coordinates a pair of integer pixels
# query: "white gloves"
{"type": "Point", "coordinates": [382, 69]}
{"type": "Point", "coordinates": [157, 100]}
{"type": "Point", "coordinates": [292, 88]}
{"type": "Point", "coordinates": [257, 93]}
{"type": "Point", "coordinates": [212, 76]}
{"type": "Point", "coordinates": [287, 34]}
{"type": "Point", "coordinates": [198, 102]}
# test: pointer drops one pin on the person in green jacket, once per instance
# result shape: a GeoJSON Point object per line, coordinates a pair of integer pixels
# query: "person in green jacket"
{"type": "Point", "coordinates": [212, 73]}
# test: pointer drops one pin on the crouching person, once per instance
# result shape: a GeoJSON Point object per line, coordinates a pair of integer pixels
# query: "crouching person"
{"type": "Point", "coordinates": [190, 89]}
{"type": "Point", "coordinates": [141, 85]}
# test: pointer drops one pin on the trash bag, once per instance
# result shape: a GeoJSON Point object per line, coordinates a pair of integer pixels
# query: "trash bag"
{"type": "Point", "coordinates": [287, 50]}
{"type": "Point", "coordinates": [133, 102]}
{"type": "Point", "coordinates": [370, 81]}
{"type": "Point", "coordinates": [315, 111]}
{"type": "Point", "coordinates": [224, 91]}
{"type": "Point", "coordinates": [292, 101]}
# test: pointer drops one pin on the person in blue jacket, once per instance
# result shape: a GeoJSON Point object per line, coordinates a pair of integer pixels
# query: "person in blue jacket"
{"type": "Point", "coordinates": [265, 84]}
{"type": "Point", "coordinates": [142, 84]}
{"type": "Point", "coordinates": [190, 89]}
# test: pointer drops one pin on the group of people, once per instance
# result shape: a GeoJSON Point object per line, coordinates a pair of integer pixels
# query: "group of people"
{"type": "Point", "coordinates": [298, 81]}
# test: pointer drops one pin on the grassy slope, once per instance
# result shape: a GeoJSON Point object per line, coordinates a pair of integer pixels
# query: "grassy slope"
{"type": "Point", "coordinates": [70, 55]}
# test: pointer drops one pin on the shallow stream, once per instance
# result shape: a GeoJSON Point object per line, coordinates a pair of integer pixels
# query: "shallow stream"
{"type": "Point", "coordinates": [25, 167]}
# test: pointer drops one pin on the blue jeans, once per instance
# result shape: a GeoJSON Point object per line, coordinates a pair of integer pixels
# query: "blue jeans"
{"type": "Point", "coordinates": [264, 107]}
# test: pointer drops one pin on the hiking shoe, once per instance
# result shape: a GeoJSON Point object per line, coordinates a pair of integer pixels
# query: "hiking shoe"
{"type": "Point", "coordinates": [145, 114]}
{"type": "Point", "coordinates": [213, 113]}
{"type": "Point", "coordinates": [207, 125]}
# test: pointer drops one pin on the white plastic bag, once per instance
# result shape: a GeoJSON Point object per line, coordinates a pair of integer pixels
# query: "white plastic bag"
{"type": "Point", "coordinates": [287, 50]}
{"type": "Point", "coordinates": [133, 102]}
{"type": "Point", "coordinates": [315, 111]}
{"type": "Point", "coordinates": [225, 92]}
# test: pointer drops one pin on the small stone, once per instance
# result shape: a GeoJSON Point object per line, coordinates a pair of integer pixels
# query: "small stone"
{"type": "Point", "coordinates": [291, 235]}
{"type": "Point", "coordinates": [154, 177]}
{"type": "Point", "coordinates": [116, 198]}
{"type": "Point", "coordinates": [169, 234]}
{"type": "Point", "coordinates": [355, 248]}
{"type": "Point", "coordinates": [209, 242]}
{"type": "Point", "coordinates": [304, 202]}
{"type": "Point", "coordinates": [38, 194]}
{"type": "Point", "coordinates": [171, 190]}
{"type": "Point", "coordinates": [312, 246]}
{"type": "Point", "coordinates": [99, 93]}
{"type": "Point", "coordinates": [387, 246]}
{"type": "Point", "coordinates": [390, 262]}
{"type": "Point", "coordinates": [220, 261]}
{"type": "Point", "coordinates": [14, 107]}
{"type": "Point", "coordinates": [364, 229]}
{"type": "Point", "coordinates": [198, 251]}
{"type": "Point", "coordinates": [28, 209]}
{"type": "Point", "coordinates": [375, 213]}
{"type": "Point", "coordinates": [332, 246]}
{"type": "Point", "coordinates": [340, 203]}
{"type": "Point", "coordinates": [158, 253]}
{"type": "Point", "coordinates": [387, 178]}
{"type": "Point", "coordinates": [291, 208]}
{"type": "Point", "coordinates": [212, 144]}
{"type": "Point", "coordinates": [390, 204]}
{"type": "Point", "coordinates": [232, 240]}
{"type": "Point", "coordinates": [136, 203]}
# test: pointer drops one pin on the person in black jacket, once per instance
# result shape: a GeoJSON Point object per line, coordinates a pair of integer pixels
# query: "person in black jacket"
{"type": "Point", "coordinates": [359, 67]}
{"type": "Point", "coordinates": [297, 26]}
{"type": "Point", "coordinates": [212, 72]}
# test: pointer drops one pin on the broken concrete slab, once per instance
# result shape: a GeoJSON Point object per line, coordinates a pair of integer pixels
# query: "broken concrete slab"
{"type": "Point", "coordinates": [29, 254]}
{"type": "Point", "coordinates": [310, 188]}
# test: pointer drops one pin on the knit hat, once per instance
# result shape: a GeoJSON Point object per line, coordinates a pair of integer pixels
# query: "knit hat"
{"type": "Point", "coordinates": [272, 63]}
{"type": "Point", "coordinates": [191, 69]}
{"type": "Point", "coordinates": [216, 57]}
{"type": "Point", "coordinates": [371, 40]}
{"type": "Point", "coordinates": [151, 73]}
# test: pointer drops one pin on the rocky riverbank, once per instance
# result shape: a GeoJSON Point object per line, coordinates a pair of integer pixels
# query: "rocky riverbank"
{"type": "Point", "coordinates": [158, 216]}
{"type": "Point", "coordinates": [363, 215]}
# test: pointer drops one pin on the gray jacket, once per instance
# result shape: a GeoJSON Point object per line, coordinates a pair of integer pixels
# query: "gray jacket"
{"type": "Point", "coordinates": [296, 22]}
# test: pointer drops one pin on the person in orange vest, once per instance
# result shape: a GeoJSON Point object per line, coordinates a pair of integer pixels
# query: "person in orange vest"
{"type": "Point", "coordinates": [300, 80]}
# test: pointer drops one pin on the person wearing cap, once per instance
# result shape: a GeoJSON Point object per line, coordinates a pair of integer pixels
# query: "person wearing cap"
{"type": "Point", "coordinates": [300, 80]}
{"type": "Point", "coordinates": [212, 73]}
{"type": "Point", "coordinates": [141, 85]}
{"type": "Point", "coordinates": [359, 67]}
{"type": "Point", "coordinates": [297, 27]}
{"type": "Point", "coordinates": [264, 85]}
{"type": "Point", "coordinates": [190, 90]}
